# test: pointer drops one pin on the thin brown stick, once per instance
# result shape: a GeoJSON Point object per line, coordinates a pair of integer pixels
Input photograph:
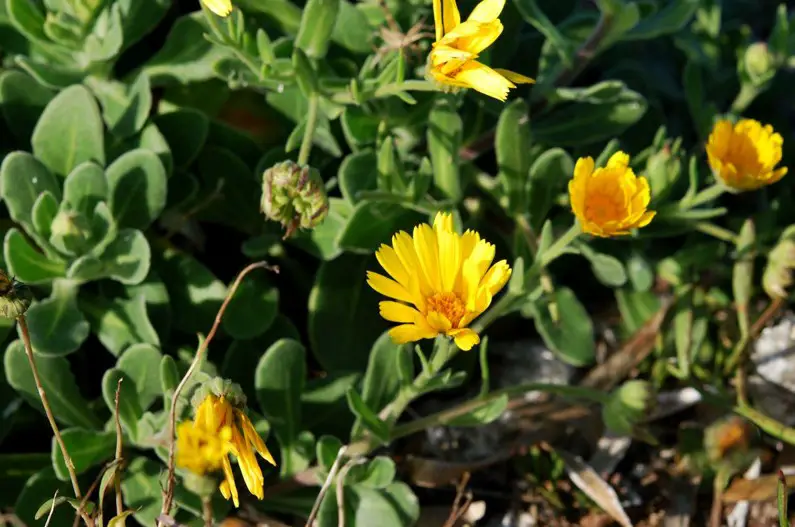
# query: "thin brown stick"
{"type": "Point", "coordinates": [23, 328]}
{"type": "Point", "coordinates": [119, 444]}
{"type": "Point", "coordinates": [326, 485]}
{"type": "Point", "coordinates": [168, 494]}
{"type": "Point", "coordinates": [81, 513]}
{"type": "Point", "coordinates": [207, 511]}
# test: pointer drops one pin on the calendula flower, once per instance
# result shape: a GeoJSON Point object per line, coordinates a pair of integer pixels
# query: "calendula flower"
{"type": "Point", "coordinates": [744, 156]}
{"type": "Point", "coordinates": [440, 282]}
{"type": "Point", "coordinates": [452, 59]}
{"type": "Point", "coordinates": [234, 434]}
{"type": "Point", "coordinates": [609, 201]}
{"type": "Point", "coordinates": [219, 7]}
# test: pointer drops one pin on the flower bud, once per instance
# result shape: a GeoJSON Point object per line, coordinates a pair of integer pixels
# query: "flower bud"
{"type": "Point", "coordinates": [758, 63]}
{"type": "Point", "coordinates": [69, 232]}
{"type": "Point", "coordinates": [15, 297]}
{"type": "Point", "coordinates": [663, 170]}
{"type": "Point", "coordinates": [220, 387]}
{"type": "Point", "coordinates": [780, 265]}
{"type": "Point", "coordinates": [628, 406]}
{"type": "Point", "coordinates": [219, 7]}
{"type": "Point", "coordinates": [294, 196]}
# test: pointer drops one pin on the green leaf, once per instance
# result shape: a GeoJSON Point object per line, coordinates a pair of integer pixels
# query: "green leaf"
{"type": "Point", "coordinates": [196, 294]}
{"type": "Point", "coordinates": [636, 308]}
{"type": "Point", "coordinates": [548, 176]}
{"type": "Point", "coordinates": [69, 131]}
{"type": "Point", "coordinates": [394, 506]}
{"type": "Point", "coordinates": [120, 323]}
{"type": "Point", "coordinates": [343, 314]}
{"type": "Point", "coordinates": [120, 520]}
{"type": "Point", "coordinates": [356, 174]}
{"type": "Point", "coordinates": [53, 503]}
{"type": "Point", "coordinates": [352, 29]}
{"type": "Point", "coordinates": [279, 381]}
{"type": "Point", "coordinates": [40, 487]}
{"type": "Point", "coordinates": [44, 211]}
{"type": "Point", "coordinates": [68, 405]}
{"type": "Point", "coordinates": [608, 269]}
{"type": "Point", "coordinates": [326, 450]}
{"type": "Point", "coordinates": [672, 18]}
{"type": "Point", "coordinates": [317, 24]}
{"type": "Point", "coordinates": [137, 183]}
{"type": "Point", "coordinates": [373, 223]}
{"type": "Point", "coordinates": [186, 55]}
{"type": "Point", "coordinates": [483, 415]}
{"type": "Point", "coordinates": [571, 336]}
{"type": "Point", "coordinates": [169, 374]}
{"type": "Point", "coordinates": [130, 410]}
{"type": "Point", "coordinates": [22, 179]}
{"type": "Point", "coordinates": [367, 416]}
{"type": "Point", "coordinates": [142, 490]}
{"type": "Point", "coordinates": [359, 126]}
{"type": "Point", "coordinates": [27, 18]}
{"type": "Point", "coordinates": [87, 448]}
{"type": "Point", "coordinates": [57, 326]}
{"type": "Point", "coordinates": [141, 363]}
{"type": "Point", "coordinates": [512, 146]}
{"type": "Point", "coordinates": [444, 140]}
{"type": "Point", "coordinates": [380, 384]}
{"type": "Point", "coordinates": [150, 139]}
{"type": "Point", "coordinates": [49, 75]}
{"type": "Point", "coordinates": [582, 123]}
{"type": "Point", "coordinates": [252, 310]}
{"type": "Point", "coordinates": [321, 242]}
{"type": "Point", "coordinates": [378, 473]}
{"type": "Point", "coordinates": [125, 108]}
{"type": "Point", "coordinates": [128, 258]}
{"type": "Point", "coordinates": [27, 263]}
{"type": "Point", "coordinates": [22, 100]}
{"type": "Point", "coordinates": [186, 131]}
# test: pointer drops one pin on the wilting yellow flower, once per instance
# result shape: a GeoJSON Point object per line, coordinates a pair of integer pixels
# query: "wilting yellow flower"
{"type": "Point", "coordinates": [609, 201]}
{"type": "Point", "coordinates": [441, 280]}
{"type": "Point", "coordinates": [744, 156]}
{"type": "Point", "coordinates": [234, 434]}
{"type": "Point", "coordinates": [219, 7]}
{"type": "Point", "coordinates": [452, 59]}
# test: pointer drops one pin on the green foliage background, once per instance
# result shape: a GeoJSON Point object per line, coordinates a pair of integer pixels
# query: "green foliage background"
{"type": "Point", "coordinates": [134, 137]}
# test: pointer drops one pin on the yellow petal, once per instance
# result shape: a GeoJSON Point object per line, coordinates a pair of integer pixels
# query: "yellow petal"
{"type": "Point", "coordinates": [449, 254]}
{"type": "Point", "coordinates": [219, 7]}
{"type": "Point", "coordinates": [485, 80]}
{"type": "Point", "coordinates": [496, 277]}
{"type": "Point", "coordinates": [409, 333]}
{"type": "Point", "coordinates": [464, 338]}
{"type": "Point", "coordinates": [387, 287]}
{"type": "Point", "coordinates": [250, 434]}
{"type": "Point", "coordinates": [443, 222]}
{"type": "Point", "coordinates": [389, 260]}
{"type": "Point", "coordinates": [475, 37]}
{"type": "Point", "coordinates": [512, 76]}
{"type": "Point", "coordinates": [618, 160]}
{"type": "Point", "coordinates": [404, 247]}
{"type": "Point", "coordinates": [445, 16]}
{"type": "Point", "coordinates": [228, 487]}
{"type": "Point", "coordinates": [438, 321]}
{"type": "Point", "coordinates": [427, 248]}
{"type": "Point", "coordinates": [397, 312]}
{"type": "Point", "coordinates": [487, 11]}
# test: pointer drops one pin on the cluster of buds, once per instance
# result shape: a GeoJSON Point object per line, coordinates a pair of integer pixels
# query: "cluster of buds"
{"type": "Point", "coordinates": [294, 195]}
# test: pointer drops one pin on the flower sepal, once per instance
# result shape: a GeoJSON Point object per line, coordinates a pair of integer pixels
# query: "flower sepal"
{"type": "Point", "coordinates": [220, 387]}
{"type": "Point", "coordinates": [203, 486]}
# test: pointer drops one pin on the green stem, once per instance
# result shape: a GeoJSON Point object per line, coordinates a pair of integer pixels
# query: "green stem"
{"type": "Point", "coordinates": [397, 87]}
{"type": "Point", "coordinates": [558, 248]}
{"type": "Point", "coordinates": [445, 416]}
{"type": "Point", "coordinates": [718, 232]}
{"type": "Point", "coordinates": [708, 194]}
{"type": "Point", "coordinates": [309, 131]}
{"type": "Point", "coordinates": [502, 306]}
{"type": "Point", "coordinates": [744, 99]}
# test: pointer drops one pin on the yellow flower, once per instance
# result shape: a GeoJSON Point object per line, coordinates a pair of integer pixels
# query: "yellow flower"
{"type": "Point", "coordinates": [219, 7]}
{"type": "Point", "coordinates": [230, 426]}
{"type": "Point", "coordinates": [609, 201]}
{"type": "Point", "coordinates": [441, 282]}
{"type": "Point", "coordinates": [744, 156]}
{"type": "Point", "coordinates": [452, 59]}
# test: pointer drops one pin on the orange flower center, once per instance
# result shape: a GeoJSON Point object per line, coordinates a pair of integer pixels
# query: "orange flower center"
{"type": "Point", "coordinates": [447, 304]}
{"type": "Point", "coordinates": [743, 154]}
{"type": "Point", "coordinates": [603, 207]}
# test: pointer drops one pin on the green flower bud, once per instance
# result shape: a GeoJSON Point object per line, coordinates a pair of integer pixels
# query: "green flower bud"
{"type": "Point", "coordinates": [663, 170]}
{"type": "Point", "coordinates": [294, 196]}
{"type": "Point", "coordinates": [69, 232]}
{"type": "Point", "coordinates": [15, 297]}
{"type": "Point", "coordinates": [628, 406]}
{"type": "Point", "coordinates": [780, 265]}
{"type": "Point", "coordinates": [220, 387]}
{"type": "Point", "coordinates": [758, 63]}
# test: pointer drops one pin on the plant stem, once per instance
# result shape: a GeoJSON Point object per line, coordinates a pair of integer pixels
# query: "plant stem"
{"type": "Point", "coordinates": [708, 194]}
{"type": "Point", "coordinates": [502, 306]}
{"type": "Point", "coordinates": [744, 98]}
{"type": "Point", "coordinates": [326, 485]}
{"type": "Point", "coordinates": [168, 494]}
{"type": "Point", "coordinates": [309, 131]}
{"type": "Point", "coordinates": [119, 444]}
{"type": "Point", "coordinates": [715, 231]}
{"type": "Point", "coordinates": [23, 327]}
{"type": "Point", "coordinates": [560, 245]}
{"type": "Point", "coordinates": [207, 511]}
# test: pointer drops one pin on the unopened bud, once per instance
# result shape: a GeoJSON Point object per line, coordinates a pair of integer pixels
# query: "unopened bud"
{"type": "Point", "coordinates": [69, 232]}
{"type": "Point", "coordinates": [220, 387]}
{"type": "Point", "coordinates": [758, 63]}
{"type": "Point", "coordinates": [15, 297]}
{"type": "Point", "coordinates": [778, 275]}
{"type": "Point", "coordinates": [219, 7]}
{"type": "Point", "coordinates": [663, 170]}
{"type": "Point", "coordinates": [294, 196]}
{"type": "Point", "coordinates": [628, 406]}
